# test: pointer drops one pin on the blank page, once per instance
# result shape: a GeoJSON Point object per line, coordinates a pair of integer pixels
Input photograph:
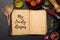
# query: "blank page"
{"type": "Point", "coordinates": [38, 22]}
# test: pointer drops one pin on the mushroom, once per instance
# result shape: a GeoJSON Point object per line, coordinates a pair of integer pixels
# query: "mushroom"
{"type": "Point", "coordinates": [56, 5]}
{"type": "Point", "coordinates": [7, 12]}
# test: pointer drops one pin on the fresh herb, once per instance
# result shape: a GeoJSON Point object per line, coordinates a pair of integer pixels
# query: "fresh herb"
{"type": "Point", "coordinates": [47, 3]}
{"type": "Point", "coordinates": [52, 23]}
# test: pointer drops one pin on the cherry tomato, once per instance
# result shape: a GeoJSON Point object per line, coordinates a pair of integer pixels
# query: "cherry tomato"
{"type": "Point", "coordinates": [39, 1]}
{"type": "Point", "coordinates": [28, 1]}
{"type": "Point", "coordinates": [33, 4]}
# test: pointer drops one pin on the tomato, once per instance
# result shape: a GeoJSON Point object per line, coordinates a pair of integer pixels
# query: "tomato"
{"type": "Point", "coordinates": [39, 1]}
{"type": "Point", "coordinates": [33, 4]}
{"type": "Point", "coordinates": [28, 1]}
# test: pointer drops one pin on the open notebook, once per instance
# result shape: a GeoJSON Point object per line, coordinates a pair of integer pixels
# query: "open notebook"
{"type": "Point", "coordinates": [25, 22]}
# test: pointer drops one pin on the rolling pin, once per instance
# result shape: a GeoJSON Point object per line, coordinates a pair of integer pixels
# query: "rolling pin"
{"type": "Point", "coordinates": [56, 5]}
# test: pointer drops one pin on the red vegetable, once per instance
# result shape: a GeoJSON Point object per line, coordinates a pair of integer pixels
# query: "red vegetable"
{"type": "Point", "coordinates": [39, 1]}
{"type": "Point", "coordinates": [47, 38]}
{"type": "Point", "coordinates": [28, 1]}
{"type": "Point", "coordinates": [33, 4]}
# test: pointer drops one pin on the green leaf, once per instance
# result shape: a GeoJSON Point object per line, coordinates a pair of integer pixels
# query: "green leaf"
{"type": "Point", "coordinates": [52, 23]}
{"type": "Point", "coordinates": [47, 3]}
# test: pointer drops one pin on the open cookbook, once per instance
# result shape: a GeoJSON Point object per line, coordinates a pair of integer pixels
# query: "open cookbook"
{"type": "Point", "coordinates": [27, 22]}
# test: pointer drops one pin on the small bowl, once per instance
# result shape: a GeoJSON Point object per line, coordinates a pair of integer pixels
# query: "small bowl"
{"type": "Point", "coordinates": [54, 34]}
{"type": "Point", "coordinates": [39, 6]}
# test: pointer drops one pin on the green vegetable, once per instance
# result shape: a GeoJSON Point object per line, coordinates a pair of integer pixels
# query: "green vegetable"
{"type": "Point", "coordinates": [52, 23]}
{"type": "Point", "coordinates": [47, 3]}
{"type": "Point", "coordinates": [18, 4]}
